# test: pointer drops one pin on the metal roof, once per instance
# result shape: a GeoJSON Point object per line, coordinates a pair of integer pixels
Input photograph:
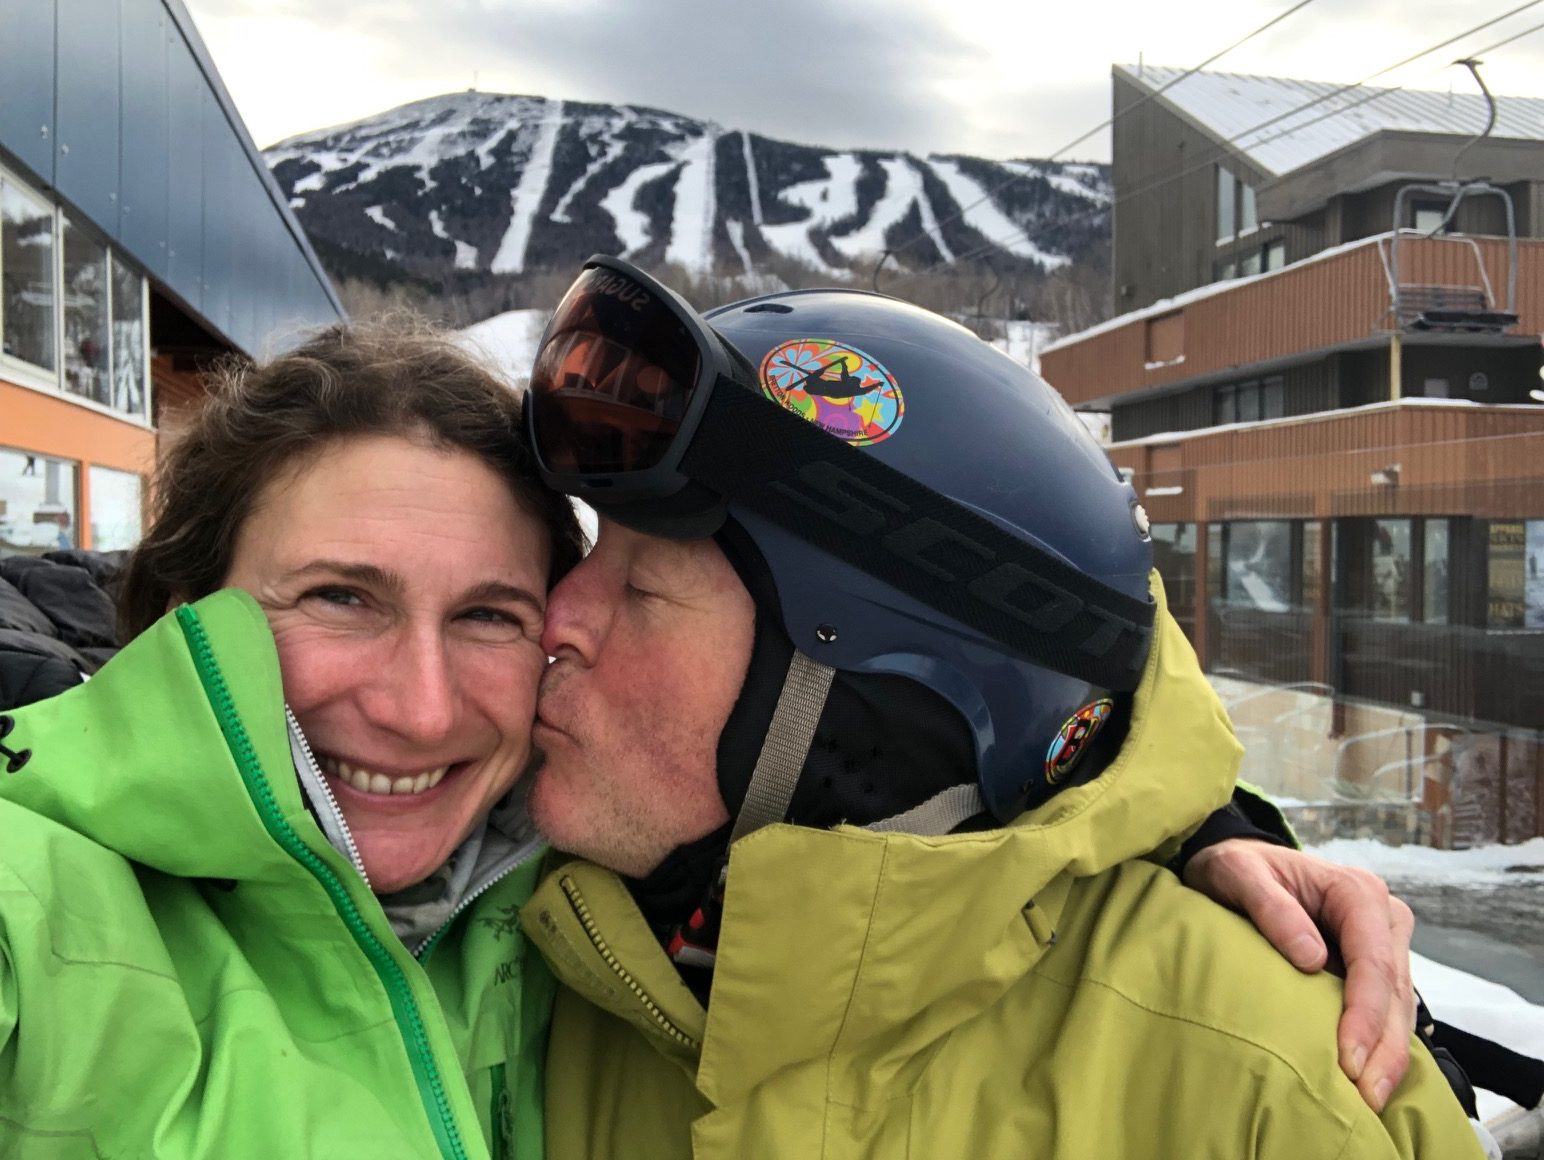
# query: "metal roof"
{"type": "Point", "coordinates": [1282, 124]}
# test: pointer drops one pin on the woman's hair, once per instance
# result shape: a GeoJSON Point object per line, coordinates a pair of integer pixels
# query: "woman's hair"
{"type": "Point", "coordinates": [397, 376]}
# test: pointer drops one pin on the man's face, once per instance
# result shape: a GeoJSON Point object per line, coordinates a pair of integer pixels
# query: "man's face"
{"type": "Point", "coordinates": [651, 640]}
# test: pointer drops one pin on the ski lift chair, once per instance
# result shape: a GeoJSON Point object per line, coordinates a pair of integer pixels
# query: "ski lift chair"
{"type": "Point", "coordinates": [1468, 309]}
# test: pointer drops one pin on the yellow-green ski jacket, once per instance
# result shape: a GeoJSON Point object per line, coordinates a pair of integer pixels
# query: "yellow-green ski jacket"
{"type": "Point", "coordinates": [1032, 992]}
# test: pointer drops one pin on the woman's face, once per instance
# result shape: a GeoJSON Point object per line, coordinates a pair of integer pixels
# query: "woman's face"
{"type": "Point", "coordinates": [405, 588]}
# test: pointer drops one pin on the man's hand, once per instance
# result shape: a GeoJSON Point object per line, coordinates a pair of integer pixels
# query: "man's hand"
{"type": "Point", "coordinates": [1283, 892]}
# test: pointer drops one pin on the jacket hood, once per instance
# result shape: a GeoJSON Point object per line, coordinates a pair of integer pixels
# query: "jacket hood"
{"type": "Point", "coordinates": [893, 939]}
{"type": "Point", "coordinates": [141, 759]}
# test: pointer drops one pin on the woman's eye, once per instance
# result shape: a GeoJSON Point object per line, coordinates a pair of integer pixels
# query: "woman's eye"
{"type": "Point", "coordinates": [339, 596]}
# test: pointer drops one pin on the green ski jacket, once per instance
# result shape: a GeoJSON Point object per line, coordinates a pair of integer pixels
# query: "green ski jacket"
{"type": "Point", "coordinates": [1034, 991]}
{"type": "Point", "coordinates": [189, 969]}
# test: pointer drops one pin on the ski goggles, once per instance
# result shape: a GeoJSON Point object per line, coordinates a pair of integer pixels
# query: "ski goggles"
{"type": "Point", "coordinates": [639, 408]}
{"type": "Point", "coordinates": [622, 378]}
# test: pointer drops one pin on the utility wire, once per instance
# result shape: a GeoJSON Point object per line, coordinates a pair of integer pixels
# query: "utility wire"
{"type": "Point", "coordinates": [993, 192]}
{"type": "Point", "coordinates": [1231, 147]}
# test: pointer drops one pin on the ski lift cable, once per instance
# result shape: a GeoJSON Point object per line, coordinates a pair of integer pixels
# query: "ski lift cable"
{"type": "Point", "coordinates": [1271, 23]}
{"type": "Point", "coordinates": [1231, 147]}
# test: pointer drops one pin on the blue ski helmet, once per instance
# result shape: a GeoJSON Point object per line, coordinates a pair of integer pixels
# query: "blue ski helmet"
{"type": "Point", "coordinates": [931, 400]}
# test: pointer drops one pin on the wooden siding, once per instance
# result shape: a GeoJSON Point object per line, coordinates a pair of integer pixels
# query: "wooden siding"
{"type": "Point", "coordinates": [1326, 302]}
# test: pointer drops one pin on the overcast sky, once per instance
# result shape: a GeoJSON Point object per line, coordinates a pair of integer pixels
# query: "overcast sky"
{"type": "Point", "coordinates": [996, 78]}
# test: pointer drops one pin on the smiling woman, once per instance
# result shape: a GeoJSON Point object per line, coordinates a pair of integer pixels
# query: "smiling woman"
{"type": "Point", "coordinates": [281, 836]}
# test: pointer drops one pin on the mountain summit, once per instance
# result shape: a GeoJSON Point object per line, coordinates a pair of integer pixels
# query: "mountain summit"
{"type": "Point", "coordinates": [510, 185]}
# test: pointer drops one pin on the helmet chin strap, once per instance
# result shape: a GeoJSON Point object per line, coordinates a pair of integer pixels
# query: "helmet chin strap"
{"type": "Point", "coordinates": [787, 745]}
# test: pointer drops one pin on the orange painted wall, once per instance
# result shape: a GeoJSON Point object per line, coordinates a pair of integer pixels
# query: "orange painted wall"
{"type": "Point", "coordinates": [35, 421]}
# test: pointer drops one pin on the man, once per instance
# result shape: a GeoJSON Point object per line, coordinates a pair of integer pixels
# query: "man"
{"type": "Point", "coordinates": [917, 622]}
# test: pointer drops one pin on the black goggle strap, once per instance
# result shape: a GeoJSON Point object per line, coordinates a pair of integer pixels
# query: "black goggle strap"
{"type": "Point", "coordinates": [903, 533]}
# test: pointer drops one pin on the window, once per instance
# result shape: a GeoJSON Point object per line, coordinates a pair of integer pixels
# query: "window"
{"type": "Point", "coordinates": [1426, 216]}
{"type": "Point", "coordinates": [1249, 264]}
{"type": "Point", "coordinates": [1273, 398]}
{"type": "Point", "coordinates": [1275, 255]}
{"type": "Point", "coordinates": [1390, 570]}
{"type": "Point", "coordinates": [1227, 218]}
{"type": "Point", "coordinates": [27, 273]}
{"type": "Point", "coordinates": [117, 511]}
{"type": "Point", "coordinates": [1224, 271]}
{"type": "Point", "coordinates": [1249, 402]}
{"type": "Point", "coordinates": [1174, 555]}
{"type": "Point", "coordinates": [37, 503]}
{"type": "Point", "coordinates": [1248, 216]}
{"type": "Point", "coordinates": [1257, 571]}
{"type": "Point", "coordinates": [1311, 563]}
{"type": "Point", "coordinates": [1226, 405]}
{"type": "Point", "coordinates": [128, 382]}
{"type": "Point", "coordinates": [1434, 572]}
{"type": "Point", "coordinates": [87, 335]}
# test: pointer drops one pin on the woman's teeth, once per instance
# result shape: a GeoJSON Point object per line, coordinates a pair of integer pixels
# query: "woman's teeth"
{"type": "Point", "coordinates": [366, 781]}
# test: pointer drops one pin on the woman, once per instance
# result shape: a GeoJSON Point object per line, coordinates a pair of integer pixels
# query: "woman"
{"type": "Point", "coordinates": [188, 964]}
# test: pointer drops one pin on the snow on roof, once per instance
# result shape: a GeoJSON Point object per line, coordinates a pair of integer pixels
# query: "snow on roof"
{"type": "Point", "coordinates": [1234, 106]}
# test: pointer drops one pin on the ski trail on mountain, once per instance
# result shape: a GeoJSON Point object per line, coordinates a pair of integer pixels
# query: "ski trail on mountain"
{"type": "Point", "coordinates": [527, 195]}
{"type": "Point", "coordinates": [750, 179]}
{"type": "Point", "coordinates": [632, 225]}
{"type": "Point", "coordinates": [691, 223]}
{"type": "Point", "coordinates": [614, 149]}
{"type": "Point", "coordinates": [984, 216]}
{"type": "Point", "coordinates": [903, 189]}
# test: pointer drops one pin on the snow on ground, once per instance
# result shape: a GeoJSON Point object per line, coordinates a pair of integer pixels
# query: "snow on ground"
{"type": "Point", "coordinates": [903, 188]}
{"type": "Point", "coordinates": [376, 214]}
{"type": "Point", "coordinates": [466, 256]}
{"type": "Point", "coordinates": [509, 341]}
{"type": "Point", "coordinates": [1482, 1008]}
{"type": "Point", "coordinates": [1022, 341]}
{"type": "Point", "coordinates": [527, 195]}
{"type": "Point", "coordinates": [691, 224]}
{"type": "Point", "coordinates": [1462, 999]}
{"type": "Point", "coordinates": [828, 202]}
{"type": "Point", "coordinates": [1481, 866]}
{"type": "Point", "coordinates": [632, 226]}
{"type": "Point", "coordinates": [983, 215]}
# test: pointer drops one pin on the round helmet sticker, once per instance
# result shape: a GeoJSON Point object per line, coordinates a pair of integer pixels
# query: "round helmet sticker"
{"type": "Point", "coordinates": [1074, 738]}
{"type": "Point", "coordinates": [837, 387]}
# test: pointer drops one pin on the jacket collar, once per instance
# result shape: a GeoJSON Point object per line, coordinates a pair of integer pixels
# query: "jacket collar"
{"type": "Point", "coordinates": [143, 758]}
{"type": "Point", "coordinates": [842, 940]}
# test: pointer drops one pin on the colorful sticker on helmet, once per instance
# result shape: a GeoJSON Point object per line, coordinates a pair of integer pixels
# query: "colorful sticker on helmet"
{"type": "Point", "coordinates": [1073, 740]}
{"type": "Point", "coordinates": [837, 387]}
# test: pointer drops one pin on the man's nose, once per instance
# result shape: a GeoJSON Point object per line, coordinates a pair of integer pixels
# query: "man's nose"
{"type": "Point", "coordinates": [578, 615]}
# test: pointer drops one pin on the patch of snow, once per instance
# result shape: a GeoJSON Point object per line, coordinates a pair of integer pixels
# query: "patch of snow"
{"type": "Point", "coordinates": [526, 197]}
{"type": "Point", "coordinates": [614, 149]}
{"type": "Point", "coordinates": [311, 182]}
{"type": "Point", "coordinates": [736, 229]}
{"type": "Point", "coordinates": [297, 202]}
{"type": "Point", "coordinates": [985, 217]}
{"type": "Point", "coordinates": [378, 216]}
{"type": "Point", "coordinates": [691, 223]}
{"type": "Point", "coordinates": [1481, 866]}
{"type": "Point", "coordinates": [1022, 341]}
{"type": "Point", "coordinates": [1065, 181]}
{"type": "Point", "coordinates": [437, 225]}
{"type": "Point", "coordinates": [391, 254]}
{"type": "Point", "coordinates": [1481, 1008]}
{"type": "Point", "coordinates": [466, 256]}
{"type": "Point", "coordinates": [903, 189]}
{"type": "Point", "coordinates": [750, 178]}
{"type": "Point", "coordinates": [508, 342]}
{"type": "Point", "coordinates": [827, 201]}
{"type": "Point", "coordinates": [633, 226]}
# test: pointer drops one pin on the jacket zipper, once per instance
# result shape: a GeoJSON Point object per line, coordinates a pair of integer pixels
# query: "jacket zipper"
{"type": "Point", "coordinates": [422, 950]}
{"type": "Point", "coordinates": [582, 913]}
{"type": "Point", "coordinates": [409, 1019]}
{"type": "Point", "coordinates": [332, 801]}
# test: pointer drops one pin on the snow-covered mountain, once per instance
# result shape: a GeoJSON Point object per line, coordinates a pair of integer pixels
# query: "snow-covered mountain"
{"type": "Point", "coordinates": [510, 184]}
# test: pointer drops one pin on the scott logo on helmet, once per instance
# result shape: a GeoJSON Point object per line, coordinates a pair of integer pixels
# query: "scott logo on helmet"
{"type": "Point", "coordinates": [953, 558]}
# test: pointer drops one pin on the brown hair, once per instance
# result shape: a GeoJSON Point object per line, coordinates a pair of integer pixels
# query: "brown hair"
{"type": "Point", "coordinates": [396, 376]}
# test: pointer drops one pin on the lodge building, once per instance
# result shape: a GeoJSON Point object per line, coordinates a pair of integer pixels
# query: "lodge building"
{"type": "Point", "coordinates": [1325, 385]}
{"type": "Point", "coordinates": [140, 237]}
